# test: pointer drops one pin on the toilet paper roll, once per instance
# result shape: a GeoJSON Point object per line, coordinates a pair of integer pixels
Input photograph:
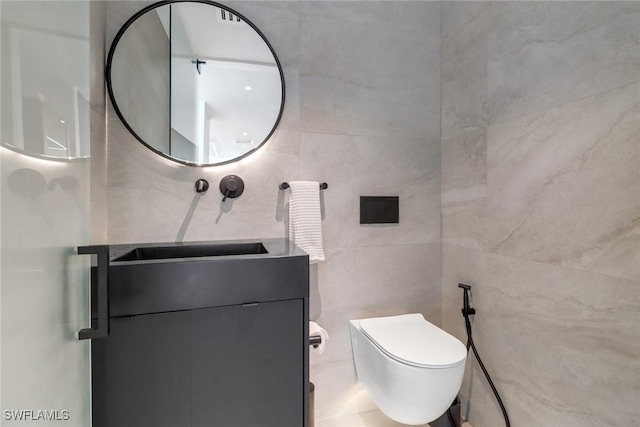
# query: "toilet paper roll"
{"type": "Point", "coordinates": [316, 330]}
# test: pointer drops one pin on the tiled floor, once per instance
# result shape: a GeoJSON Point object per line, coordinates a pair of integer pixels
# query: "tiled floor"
{"type": "Point", "coordinates": [366, 419]}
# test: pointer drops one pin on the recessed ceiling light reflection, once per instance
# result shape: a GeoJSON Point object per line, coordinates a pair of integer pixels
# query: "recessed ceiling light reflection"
{"type": "Point", "coordinates": [248, 88]}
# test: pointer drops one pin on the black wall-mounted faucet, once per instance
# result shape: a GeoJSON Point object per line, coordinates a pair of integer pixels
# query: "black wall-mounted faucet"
{"type": "Point", "coordinates": [231, 186]}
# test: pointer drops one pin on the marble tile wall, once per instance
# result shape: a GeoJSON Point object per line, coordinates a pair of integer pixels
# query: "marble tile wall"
{"type": "Point", "coordinates": [541, 207]}
{"type": "Point", "coordinates": [362, 113]}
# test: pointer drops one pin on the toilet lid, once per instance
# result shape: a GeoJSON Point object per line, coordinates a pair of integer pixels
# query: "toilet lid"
{"type": "Point", "coordinates": [411, 339]}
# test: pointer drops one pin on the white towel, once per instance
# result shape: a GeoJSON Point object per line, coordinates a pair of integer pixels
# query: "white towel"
{"type": "Point", "coordinates": [305, 224]}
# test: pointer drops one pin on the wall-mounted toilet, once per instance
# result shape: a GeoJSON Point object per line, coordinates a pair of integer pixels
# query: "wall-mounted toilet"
{"type": "Point", "coordinates": [411, 368]}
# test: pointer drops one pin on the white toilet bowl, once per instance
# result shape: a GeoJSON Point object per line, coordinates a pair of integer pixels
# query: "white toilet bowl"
{"type": "Point", "coordinates": [411, 368]}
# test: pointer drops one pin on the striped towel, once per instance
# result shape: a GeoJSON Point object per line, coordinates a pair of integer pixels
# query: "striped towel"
{"type": "Point", "coordinates": [305, 227]}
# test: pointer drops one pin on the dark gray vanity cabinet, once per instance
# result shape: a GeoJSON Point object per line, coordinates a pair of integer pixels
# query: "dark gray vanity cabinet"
{"type": "Point", "coordinates": [247, 365]}
{"type": "Point", "coordinates": [142, 372]}
{"type": "Point", "coordinates": [234, 366]}
{"type": "Point", "coordinates": [213, 341]}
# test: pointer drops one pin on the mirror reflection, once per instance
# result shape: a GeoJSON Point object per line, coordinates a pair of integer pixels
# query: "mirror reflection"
{"type": "Point", "coordinates": [195, 82]}
{"type": "Point", "coordinates": [44, 80]}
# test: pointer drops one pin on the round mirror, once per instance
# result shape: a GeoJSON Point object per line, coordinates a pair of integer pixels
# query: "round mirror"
{"type": "Point", "coordinates": [196, 82]}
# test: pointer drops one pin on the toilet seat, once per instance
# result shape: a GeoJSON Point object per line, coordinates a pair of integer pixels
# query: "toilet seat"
{"type": "Point", "coordinates": [412, 340]}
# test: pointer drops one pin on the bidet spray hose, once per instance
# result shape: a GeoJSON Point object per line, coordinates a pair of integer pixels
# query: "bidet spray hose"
{"type": "Point", "coordinates": [466, 312]}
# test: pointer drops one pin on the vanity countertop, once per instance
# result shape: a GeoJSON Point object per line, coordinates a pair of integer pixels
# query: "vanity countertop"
{"type": "Point", "coordinates": [160, 277]}
{"type": "Point", "coordinates": [275, 248]}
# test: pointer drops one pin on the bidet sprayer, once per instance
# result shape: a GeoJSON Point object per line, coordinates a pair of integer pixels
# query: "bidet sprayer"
{"type": "Point", "coordinates": [466, 310]}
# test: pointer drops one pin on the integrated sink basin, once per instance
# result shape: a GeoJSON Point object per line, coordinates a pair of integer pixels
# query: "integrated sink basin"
{"type": "Point", "coordinates": [172, 276]}
{"type": "Point", "coordinates": [191, 251]}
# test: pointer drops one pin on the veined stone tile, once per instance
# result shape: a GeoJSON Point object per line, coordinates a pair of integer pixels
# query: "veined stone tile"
{"type": "Point", "coordinates": [464, 223]}
{"type": "Point", "coordinates": [398, 15]}
{"type": "Point", "coordinates": [464, 188]}
{"type": "Point", "coordinates": [291, 114]}
{"type": "Point", "coordinates": [355, 166]}
{"type": "Point", "coordinates": [286, 5]}
{"type": "Point", "coordinates": [559, 343]}
{"type": "Point", "coordinates": [502, 60]}
{"type": "Point", "coordinates": [563, 342]}
{"type": "Point", "coordinates": [361, 79]}
{"type": "Point", "coordinates": [563, 185]}
{"type": "Point", "coordinates": [464, 167]}
{"type": "Point", "coordinates": [465, 35]}
{"type": "Point", "coordinates": [556, 81]}
{"type": "Point", "coordinates": [542, 54]}
{"type": "Point", "coordinates": [356, 283]}
{"type": "Point", "coordinates": [138, 179]}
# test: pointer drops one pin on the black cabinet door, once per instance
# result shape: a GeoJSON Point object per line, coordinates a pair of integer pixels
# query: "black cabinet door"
{"type": "Point", "coordinates": [247, 365]}
{"type": "Point", "coordinates": [141, 372]}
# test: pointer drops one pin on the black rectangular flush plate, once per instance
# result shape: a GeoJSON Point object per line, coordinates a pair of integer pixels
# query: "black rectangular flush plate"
{"type": "Point", "coordinates": [379, 210]}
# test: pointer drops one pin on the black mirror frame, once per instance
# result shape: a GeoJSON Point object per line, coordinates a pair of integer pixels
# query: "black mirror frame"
{"type": "Point", "coordinates": [112, 49]}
